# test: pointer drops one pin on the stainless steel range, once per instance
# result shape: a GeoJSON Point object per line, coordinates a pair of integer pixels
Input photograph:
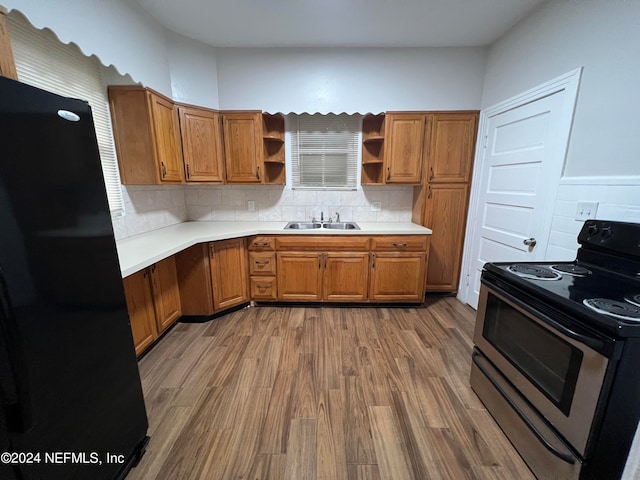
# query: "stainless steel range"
{"type": "Point", "coordinates": [557, 355]}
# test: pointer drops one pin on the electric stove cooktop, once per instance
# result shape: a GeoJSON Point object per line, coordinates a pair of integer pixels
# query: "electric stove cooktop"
{"type": "Point", "coordinates": [602, 285]}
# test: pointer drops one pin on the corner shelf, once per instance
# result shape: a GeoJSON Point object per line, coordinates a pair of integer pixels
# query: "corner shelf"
{"type": "Point", "coordinates": [273, 149]}
{"type": "Point", "coordinates": [373, 149]}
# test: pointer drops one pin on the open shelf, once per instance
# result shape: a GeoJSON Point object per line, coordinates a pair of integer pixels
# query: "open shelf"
{"type": "Point", "coordinates": [373, 149]}
{"type": "Point", "coordinates": [273, 149]}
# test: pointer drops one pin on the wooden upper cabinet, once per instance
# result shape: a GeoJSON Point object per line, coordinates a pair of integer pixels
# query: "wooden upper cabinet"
{"type": "Point", "coordinates": [243, 146]}
{"type": "Point", "coordinates": [404, 141]}
{"type": "Point", "coordinates": [147, 136]}
{"type": "Point", "coordinates": [202, 149]}
{"type": "Point", "coordinates": [451, 147]}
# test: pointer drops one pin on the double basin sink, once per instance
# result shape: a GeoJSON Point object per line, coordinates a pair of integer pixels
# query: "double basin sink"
{"type": "Point", "coordinates": [328, 225]}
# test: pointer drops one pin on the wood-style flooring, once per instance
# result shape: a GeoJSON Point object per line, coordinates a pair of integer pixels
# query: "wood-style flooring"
{"type": "Point", "coordinates": [321, 393]}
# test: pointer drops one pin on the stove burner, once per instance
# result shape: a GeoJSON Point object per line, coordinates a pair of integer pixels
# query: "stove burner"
{"type": "Point", "coordinates": [622, 310]}
{"type": "Point", "coordinates": [571, 269]}
{"type": "Point", "coordinates": [634, 299]}
{"type": "Point", "coordinates": [533, 272]}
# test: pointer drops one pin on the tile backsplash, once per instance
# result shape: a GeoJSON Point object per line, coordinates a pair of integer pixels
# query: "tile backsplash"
{"type": "Point", "coordinates": [276, 203]}
{"type": "Point", "coordinates": [152, 207]}
{"type": "Point", "coordinates": [149, 208]}
{"type": "Point", "coordinates": [620, 202]}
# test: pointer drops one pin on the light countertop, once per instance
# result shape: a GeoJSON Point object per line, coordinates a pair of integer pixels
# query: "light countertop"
{"type": "Point", "coordinates": [142, 250]}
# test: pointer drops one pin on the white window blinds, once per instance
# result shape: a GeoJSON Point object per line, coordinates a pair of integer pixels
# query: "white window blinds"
{"type": "Point", "coordinates": [324, 151]}
{"type": "Point", "coordinates": [45, 62]}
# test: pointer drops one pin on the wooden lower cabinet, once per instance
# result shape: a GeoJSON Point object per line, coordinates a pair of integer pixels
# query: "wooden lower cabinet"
{"type": "Point", "coordinates": [213, 276]}
{"type": "Point", "coordinates": [318, 276]}
{"type": "Point", "coordinates": [397, 277]}
{"type": "Point", "coordinates": [346, 277]}
{"type": "Point", "coordinates": [229, 273]}
{"type": "Point", "coordinates": [137, 289]}
{"type": "Point", "coordinates": [153, 301]}
{"type": "Point", "coordinates": [299, 276]}
{"type": "Point", "coordinates": [445, 213]}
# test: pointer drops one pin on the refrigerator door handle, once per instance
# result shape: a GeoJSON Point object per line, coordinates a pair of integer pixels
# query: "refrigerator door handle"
{"type": "Point", "coordinates": [14, 383]}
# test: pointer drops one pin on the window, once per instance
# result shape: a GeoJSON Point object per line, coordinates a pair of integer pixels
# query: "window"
{"type": "Point", "coordinates": [44, 62]}
{"type": "Point", "coordinates": [324, 151]}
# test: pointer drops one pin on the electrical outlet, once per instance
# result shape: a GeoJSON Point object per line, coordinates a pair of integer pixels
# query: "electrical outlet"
{"type": "Point", "coordinates": [586, 210]}
{"type": "Point", "coordinates": [376, 206]}
{"type": "Point", "coordinates": [251, 206]}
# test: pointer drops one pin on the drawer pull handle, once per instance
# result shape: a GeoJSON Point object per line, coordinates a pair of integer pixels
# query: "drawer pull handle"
{"type": "Point", "coordinates": [188, 171]}
{"type": "Point", "coordinates": [264, 262]}
{"type": "Point", "coordinates": [260, 244]}
{"type": "Point", "coordinates": [164, 169]}
{"type": "Point", "coordinates": [262, 287]}
{"type": "Point", "coordinates": [431, 171]}
{"type": "Point", "coordinates": [388, 174]}
{"type": "Point", "coordinates": [258, 173]}
{"type": "Point", "coordinates": [399, 245]}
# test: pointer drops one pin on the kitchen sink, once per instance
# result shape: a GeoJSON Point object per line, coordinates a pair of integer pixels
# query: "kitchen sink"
{"type": "Point", "coordinates": [302, 225]}
{"type": "Point", "coordinates": [341, 226]}
{"type": "Point", "coordinates": [314, 225]}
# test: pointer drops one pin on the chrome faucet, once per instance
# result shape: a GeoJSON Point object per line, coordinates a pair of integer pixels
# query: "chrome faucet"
{"type": "Point", "coordinates": [322, 216]}
{"type": "Point", "coordinates": [337, 217]}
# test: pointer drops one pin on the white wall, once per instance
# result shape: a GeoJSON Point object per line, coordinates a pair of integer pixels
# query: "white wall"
{"type": "Point", "coordinates": [604, 38]}
{"type": "Point", "coordinates": [194, 72]}
{"type": "Point", "coordinates": [115, 31]}
{"type": "Point", "coordinates": [350, 80]}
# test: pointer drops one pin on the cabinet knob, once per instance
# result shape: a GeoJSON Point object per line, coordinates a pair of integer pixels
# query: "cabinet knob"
{"type": "Point", "coordinates": [430, 173]}
{"type": "Point", "coordinates": [388, 173]}
{"type": "Point", "coordinates": [258, 172]}
{"type": "Point", "coordinates": [188, 171]}
{"type": "Point", "coordinates": [430, 194]}
{"type": "Point", "coordinates": [164, 169]}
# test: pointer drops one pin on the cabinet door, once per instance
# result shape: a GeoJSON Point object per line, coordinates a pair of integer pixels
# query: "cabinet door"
{"type": "Point", "coordinates": [404, 139]}
{"type": "Point", "coordinates": [397, 277]}
{"type": "Point", "coordinates": [137, 289]}
{"type": "Point", "coordinates": [346, 277]}
{"type": "Point", "coordinates": [451, 146]}
{"type": "Point", "coordinates": [299, 276]}
{"type": "Point", "coordinates": [243, 147]}
{"type": "Point", "coordinates": [167, 139]}
{"type": "Point", "coordinates": [445, 214]}
{"type": "Point", "coordinates": [201, 145]}
{"type": "Point", "coordinates": [194, 280]}
{"type": "Point", "coordinates": [229, 273]}
{"type": "Point", "coordinates": [166, 295]}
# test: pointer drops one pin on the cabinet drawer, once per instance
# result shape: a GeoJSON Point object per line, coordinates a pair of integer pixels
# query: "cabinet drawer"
{"type": "Point", "coordinates": [323, 243]}
{"type": "Point", "coordinates": [262, 263]}
{"type": "Point", "coordinates": [264, 288]}
{"type": "Point", "coordinates": [399, 243]}
{"type": "Point", "coordinates": [259, 243]}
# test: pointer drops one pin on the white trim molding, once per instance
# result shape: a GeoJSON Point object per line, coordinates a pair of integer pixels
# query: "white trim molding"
{"type": "Point", "coordinates": [613, 180]}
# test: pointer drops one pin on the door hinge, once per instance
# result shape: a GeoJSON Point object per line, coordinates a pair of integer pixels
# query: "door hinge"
{"type": "Point", "coordinates": [486, 141]}
{"type": "Point", "coordinates": [467, 280]}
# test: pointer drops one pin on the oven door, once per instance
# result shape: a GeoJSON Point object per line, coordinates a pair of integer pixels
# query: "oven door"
{"type": "Point", "coordinates": [559, 369]}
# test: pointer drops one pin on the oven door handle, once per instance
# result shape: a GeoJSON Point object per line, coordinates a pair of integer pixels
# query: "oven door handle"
{"type": "Point", "coordinates": [545, 443]}
{"type": "Point", "coordinates": [594, 343]}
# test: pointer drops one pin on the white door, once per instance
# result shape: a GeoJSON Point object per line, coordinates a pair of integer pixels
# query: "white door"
{"type": "Point", "coordinates": [521, 164]}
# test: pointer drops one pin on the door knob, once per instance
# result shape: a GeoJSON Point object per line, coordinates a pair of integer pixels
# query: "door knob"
{"type": "Point", "coordinates": [530, 242]}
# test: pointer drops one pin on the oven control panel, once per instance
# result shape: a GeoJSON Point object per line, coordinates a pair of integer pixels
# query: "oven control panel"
{"type": "Point", "coordinates": [620, 237]}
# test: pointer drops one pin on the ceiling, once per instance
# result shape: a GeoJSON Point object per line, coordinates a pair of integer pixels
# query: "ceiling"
{"type": "Point", "coordinates": [340, 23]}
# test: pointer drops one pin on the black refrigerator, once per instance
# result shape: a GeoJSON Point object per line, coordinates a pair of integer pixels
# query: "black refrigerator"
{"type": "Point", "coordinates": [71, 398]}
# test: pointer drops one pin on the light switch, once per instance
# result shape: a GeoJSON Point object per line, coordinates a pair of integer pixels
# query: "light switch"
{"type": "Point", "coordinates": [376, 206]}
{"type": "Point", "coordinates": [586, 210]}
